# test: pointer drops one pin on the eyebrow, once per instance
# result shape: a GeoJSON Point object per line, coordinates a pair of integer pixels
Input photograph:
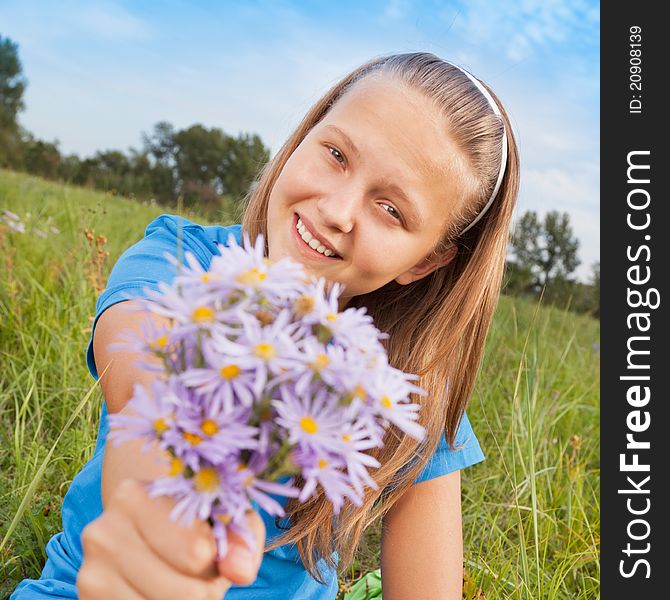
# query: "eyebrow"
{"type": "Point", "coordinates": [346, 138]}
{"type": "Point", "coordinates": [412, 215]}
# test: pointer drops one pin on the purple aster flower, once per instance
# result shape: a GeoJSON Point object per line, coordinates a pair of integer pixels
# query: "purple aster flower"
{"type": "Point", "coordinates": [205, 434]}
{"type": "Point", "coordinates": [311, 421]}
{"type": "Point", "coordinates": [231, 519]}
{"type": "Point", "coordinates": [327, 471]}
{"type": "Point", "coordinates": [351, 328]}
{"type": "Point", "coordinates": [205, 281]}
{"type": "Point", "coordinates": [153, 339]}
{"type": "Point", "coordinates": [153, 414]}
{"type": "Point", "coordinates": [356, 437]}
{"type": "Point", "coordinates": [388, 398]}
{"type": "Point", "coordinates": [319, 362]}
{"type": "Point", "coordinates": [197, 495]}
{"type": "Point", "coordinates": [17, 226]}
{"type": "Point", "coordinates": [190, 311]}
{"type": "Point", "coordinates": [226, 381]}
{"type": "Point", "coordinates": [258, 490]}
{"type": "Point", "coordinates": [252, 273]}
{"type": "Point", "coordinates": [269, 349]}
{"type": "Point", "coordinates": [10, 215]}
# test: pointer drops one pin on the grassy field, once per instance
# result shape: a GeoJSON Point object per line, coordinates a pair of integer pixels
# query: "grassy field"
{"type": "Point", "coordinates": [530, 511]}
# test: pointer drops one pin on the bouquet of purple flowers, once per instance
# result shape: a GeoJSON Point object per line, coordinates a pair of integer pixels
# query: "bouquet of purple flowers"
{"type": "Point", "coordinates": [262, 378]}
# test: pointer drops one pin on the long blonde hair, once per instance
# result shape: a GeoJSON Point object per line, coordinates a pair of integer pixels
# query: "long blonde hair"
{"type": "Point", "coordinates": [437, 325]}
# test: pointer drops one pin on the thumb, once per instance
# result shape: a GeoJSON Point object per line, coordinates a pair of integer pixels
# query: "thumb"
{"type": "Point", "coordinates": [240, 564]}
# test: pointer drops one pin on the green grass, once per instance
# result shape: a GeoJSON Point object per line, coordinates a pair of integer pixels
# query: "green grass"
{"type": "Point", "coordinates": [530, 511]}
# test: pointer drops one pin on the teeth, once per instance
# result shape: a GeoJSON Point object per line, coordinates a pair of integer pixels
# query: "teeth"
{"type": "Point", "coordinates": [311, 241]}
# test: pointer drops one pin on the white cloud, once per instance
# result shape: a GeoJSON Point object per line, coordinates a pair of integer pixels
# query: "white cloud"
{"type": "Point", "coordinates": [40, 25]}
{"type": "Point", "coordinates": [523, 28]}
{"type": "Point", "coordinates": [396, 9]}
{"type": "Point", "coordinates": [573, 191]}
{"type": "Point", "coordinates": [108, 20]}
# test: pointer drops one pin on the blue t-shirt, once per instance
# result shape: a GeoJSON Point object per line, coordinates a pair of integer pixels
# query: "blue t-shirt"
{"type": "Point", "coordinates": [281, 574]}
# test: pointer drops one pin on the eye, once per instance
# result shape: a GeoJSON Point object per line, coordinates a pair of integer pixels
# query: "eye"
{"type": "Point", "coordinates": [339, 157]}
{"type": "Point", "coordinates": [393, 212]}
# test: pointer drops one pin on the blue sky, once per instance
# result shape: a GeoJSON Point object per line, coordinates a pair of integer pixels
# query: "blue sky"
{"type": "Point", "coordinates": [101, 73]}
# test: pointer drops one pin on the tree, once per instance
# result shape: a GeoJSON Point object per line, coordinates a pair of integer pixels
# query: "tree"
{"type": "Point", "coordinates": [160, 145]}
{"type": "Point", "coordinates": [41, 158]}
{"type": "Point", "coordinates": [544, 253]}
{"type": "Point", "coordinates": [595, 289]}
{"type": "Point", "coordinates": [12, 87]}
{"type": "Point", "coordinates": [245, 158]}
{"type": "Point", "coordinates": [12, 83]}
{"type": "Point", "coordinates": [161, 150]}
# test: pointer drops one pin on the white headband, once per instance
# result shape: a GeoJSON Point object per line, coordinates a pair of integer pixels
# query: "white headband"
{"type": "Point", "coordinates": [503, 160]}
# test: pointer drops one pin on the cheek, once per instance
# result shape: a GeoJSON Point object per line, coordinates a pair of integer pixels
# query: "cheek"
{"type": "Point", "coordinates": [300, 175]}
{"type": "Point", "coordinates": [384, 256]}
{"type": "Point", "coordinates": [377, 257]}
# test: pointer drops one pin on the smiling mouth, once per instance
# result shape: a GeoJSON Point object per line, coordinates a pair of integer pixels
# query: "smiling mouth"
{"type": "Point", "coordinates": [313, 242]}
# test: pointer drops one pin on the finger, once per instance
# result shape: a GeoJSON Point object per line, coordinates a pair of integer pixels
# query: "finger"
{"type": "Point", "coordinates": [189, 549]}
{"type": "Point", "coordinates": [94, 583]}
{"type": "Point", "coordinates": [241, 563]}
{"type": "Point", "coordinates": [114, 545]}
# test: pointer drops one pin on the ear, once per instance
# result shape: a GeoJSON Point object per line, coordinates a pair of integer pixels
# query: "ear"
{"type": "Point", "coordinates": [427, 265]}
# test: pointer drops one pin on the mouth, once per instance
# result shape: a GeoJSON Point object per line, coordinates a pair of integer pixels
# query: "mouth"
{"type": "Point", "coordinates": [311, 245]}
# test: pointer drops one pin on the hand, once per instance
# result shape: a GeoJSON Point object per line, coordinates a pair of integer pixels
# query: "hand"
{"type": "Point", "coordinates": [134, 551]}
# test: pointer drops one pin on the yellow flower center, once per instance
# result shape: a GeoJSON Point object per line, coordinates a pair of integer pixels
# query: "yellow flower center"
{"type": "Point", "coordinates": [331, 317]}
{"type": "Point", "coordinates": [191, 438]}
{"type": "Point", "coordinates": [251, 277]}
{"type": "Point", "coordinates": [229, 372]}
{"type": "Point", "coordinates": [160, 426]}
{"type": "Point", "coordinates": [323, 463]}
{"type": "Point", "coordinates": [386, 402]}
{"type": "Point", "coordinates": [207, 277]}
{"type": "Point", "coordinates": [225, 519]}
{"type": "Point", "coordinates": [248, 481]}
{"type": "Point", "coordinates": [206, 480]}
{"type": "Point", "coordinates": [320, 362]}
{"type": "Point", "coordinates": [265, 351]}
{"type": "Point", "coordinates": [203, 314]}
{"type": "Point", "coordinates": [159, 343]}
{"type": "Point", "coordinates": [359, 391]}
{"type": "Point", "coordinates": [309, 425]}
{"type": "Point", "coordinates": [346, 437]}
{"type": "Point", "coordinates": [209, 427]}
{"type": "Point", "coordinates": [265, 317]}
{"type": "Point", "coordinates": [176, 467]}
{"type": "Point", "coordinates": [303, 305]}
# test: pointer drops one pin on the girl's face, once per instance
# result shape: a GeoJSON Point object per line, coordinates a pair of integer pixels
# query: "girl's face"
{"type": "Point", "coordinates": [376, 182]}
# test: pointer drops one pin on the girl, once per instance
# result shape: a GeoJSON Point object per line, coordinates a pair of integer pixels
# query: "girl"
{"type": "Point", "coordinates": [399, 183]}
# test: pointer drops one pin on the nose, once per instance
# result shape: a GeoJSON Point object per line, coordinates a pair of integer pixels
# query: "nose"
{"type": "Point", "coordinates": [338, 209]}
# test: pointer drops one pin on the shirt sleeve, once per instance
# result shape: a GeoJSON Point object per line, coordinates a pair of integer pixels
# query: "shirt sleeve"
{"type": "Point", "coordinates": [144, 265]}
{"type": "Point", "coordinates": [466, 452]}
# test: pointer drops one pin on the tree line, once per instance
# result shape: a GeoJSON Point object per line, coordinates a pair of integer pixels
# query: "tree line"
{"type": "Point", "coordinates": [542, 260]}
{"type": "Point", "coordinates": [197, 166]}
{"type": "Point", "coordinates": [209, 170]}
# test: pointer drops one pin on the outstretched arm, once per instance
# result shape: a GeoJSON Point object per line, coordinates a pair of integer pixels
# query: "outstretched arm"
{"type": "Point", "coordinates": [133, 550]}
{"type": "Point", "coordinates": [422, 542]}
